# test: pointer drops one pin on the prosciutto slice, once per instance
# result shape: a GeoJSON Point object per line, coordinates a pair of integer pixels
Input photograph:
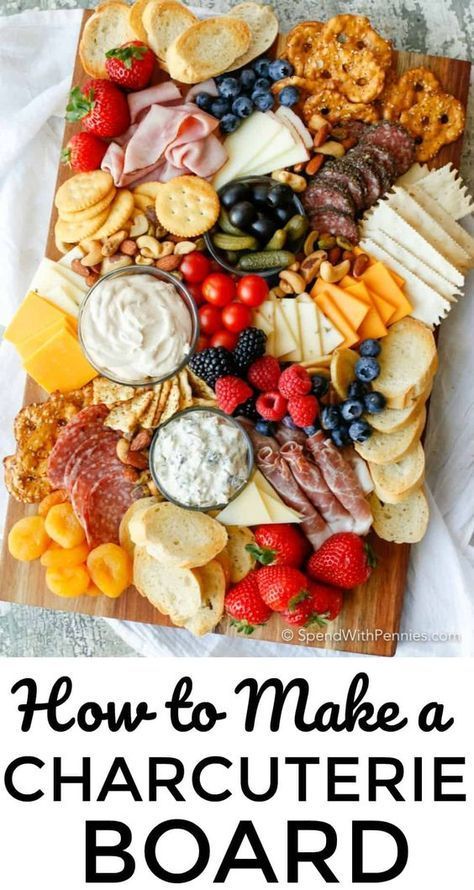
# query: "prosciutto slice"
{"type": "Point", "coordinates": [284, 434]}
{"type": "Point", "coordinates": [311, 480]}
{"type": "Point", "coordinates": [277, 471]}
{"type": "Point", "coordinates": [342, 480]}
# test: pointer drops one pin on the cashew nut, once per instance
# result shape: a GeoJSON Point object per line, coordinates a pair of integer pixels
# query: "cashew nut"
{"type": "Point", "coordinates": [167, 248]}
{"type": "Point", "coordinates": [139, 226]}
{"type": "Point", "coordinates": [312, 264]}
{"type": "Point", "coordinates": [275, 292]}
{"type": "Point", "coordinates": [149, 247]}
{"type": "Point", "coordinates": [297, 183]}
{"type": "Point", "coordinates": [332, 274]}
{"type": "Point", "coordinates": [286, 289]}
{"type": "Point", "coordinates": [332, 148]}
{"type": "Point", "coordinates": [143, 260]}
{"type": "Point", "coordinates": [310, 243]}
{"type": "Point", "coordinates": [296, 282]}
{"type": "Point", "coordinates": [184, 247]}
{"type": "Point", "coordinates": [113, 242]}
{"type": "Point", "coordinates": [117, 261]}
{"type": "Point", "coordinates": [94, 256]}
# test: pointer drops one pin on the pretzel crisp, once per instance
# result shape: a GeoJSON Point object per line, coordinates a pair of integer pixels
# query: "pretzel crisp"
{"type": "Point", "coordinates": [409, 89]}
{"type": "Point", "coordinates": [335, 107]}
{"type": "Point", "coordinates": [436, 120]}
{"type": "Point", "coordinates": [356, 33]}
{"type": "Point", "coordinates": [301, 43]}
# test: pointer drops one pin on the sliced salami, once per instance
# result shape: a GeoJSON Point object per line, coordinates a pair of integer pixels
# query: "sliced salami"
{"type": "Point", "coordinates": [322, 193]}
{"type": "Point", "coordinates": [352, 129]}
{"type": "Point", "coordinates": [99, 448]}
{"type": "Point", "coordinates": [385, 161]}
{"type": "Point", "coordinates": [394, 139]}
{"type": "Point", "coordinates": [365, 154]}
{"type": "Point", "coordinates": [343, 176]}
{"type": "Point", "coordinates": [96, 462]}
{"type": "Point", "coordinates": [325, 219]}
{"type": "Point", "coordinates": [105, 506]}
{"type": "Point", "coordinates": [77, 430]}
{"type": "Point", "coordinates": [372, 180]}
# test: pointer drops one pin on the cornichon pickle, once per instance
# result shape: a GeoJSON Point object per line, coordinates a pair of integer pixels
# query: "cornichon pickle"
{"type": "Point", "coordinates": [234, 242]}
{"type": "Point", "coordinates": [266, 259]}
{"type": "Point", "coordinates": [326, 241]}
{"type": "Point", "coordinates": [225, 224]}
{"type": "Point", "coordinates": [277, 241]}
{"type": "Point", "coordinates": [296, 227]}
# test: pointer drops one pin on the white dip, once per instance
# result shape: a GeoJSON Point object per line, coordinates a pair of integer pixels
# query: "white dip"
{"type": "Point", "coordinates": [200, 459]}
{"type": "Point", "coordinates": [136, 328]}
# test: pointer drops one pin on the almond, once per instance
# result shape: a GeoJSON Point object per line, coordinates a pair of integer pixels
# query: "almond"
{"type": "Point", "coordinates": [361, 263]}
{"type": "Point", "coordinates": [169, 263]}
{"type": "Point", "coordinates": [137, 459]}
{"type": "Point", "coordinates": [140, 441]}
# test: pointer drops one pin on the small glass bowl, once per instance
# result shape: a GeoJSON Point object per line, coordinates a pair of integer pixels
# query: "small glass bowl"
{"type": "Point", "coordinates": [233, 422]}
{"type": "Point", "coordinates": [160, 275]}
{"type": "Point", "coordinates": [219, 255]}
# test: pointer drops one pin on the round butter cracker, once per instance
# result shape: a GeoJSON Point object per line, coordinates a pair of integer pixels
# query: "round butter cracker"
{"type": "Point", "coordinates": [118, 214]}
{"type": "Point", "coordinates": [83, 190]}
{"type": "Point", "coordinates": [89, 212]}
{"type": "Point", "coordinates": [187, 206]}
{"type": "Point", "coordinates": [71, 232]}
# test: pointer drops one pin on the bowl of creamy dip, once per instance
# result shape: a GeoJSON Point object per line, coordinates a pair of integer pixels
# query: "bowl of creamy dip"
{"type": "Point", "coordinates": [138, 325]}
{"type": "Point", "coordinates": [201, 458]}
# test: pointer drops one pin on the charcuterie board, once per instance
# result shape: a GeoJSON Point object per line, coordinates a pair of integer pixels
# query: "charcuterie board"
{"type": "Point", "coordinates": [371, 615]}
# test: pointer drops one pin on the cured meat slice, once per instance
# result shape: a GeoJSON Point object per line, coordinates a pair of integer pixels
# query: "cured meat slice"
{"type": "Point", "coordinates": [99, 460]}
{"type": "Point", "coordinates": [384, 159]}
{"type": "Point", "coordinates": [77, 430]}
{"type": "Point", "coordinates": [322, 193]}
{"type": "Point", "coordinates": [370, 174]}
{"type": "Point", "coordinates": [107, 502]}
{"type": "Point", "coordinates": [311, 480]}
{"type": "Point", "coordinates": [366, 155]}
{"type": "Point", "coordinates": [102, 443]}
{"type": "Point", "coordinates": [342, 175]}
{"type": "Point", "coordinates": [278, 473]}
{"type": "Point", "coordinates": [342, 480]}
{"type": "Point", "coordinates": [325, 219]}
{"type": "Point", "coordinates": [284, 434]}
{"type": "Point", "coordinates": [352, 129]}
{"type": "Point", "coordinates": [395, 139]}
{"type": "Point", "coordinates": [258, 439]}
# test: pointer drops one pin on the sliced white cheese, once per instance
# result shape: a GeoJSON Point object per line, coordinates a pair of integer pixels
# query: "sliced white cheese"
{"type": "Point", "coordinates": [260, 322]}
{"type": "Point", "coordinates": [49, 276]}
{"type": "Point", "coordinates": [76, 253]}
{"type": "Point", "coordinates": [265, 161]}
{"type": "Point", "coordinates": [278, 511]}
{"type": "Point", "coordinates": [248, 508]}
{"type": "Point", "coordinates": [289, 117]}
{"type": "Point", "coordinates": [284, 340]}
{"type": "Point", "coordinates": [297, 154]}
{"type": "Point", "coordinates": [61, 298]}
{"type": "Point", "coordinates": [266, 312]}
{"type": "Point", "coordinates": [263, 484]}
{"type": "Point", "coordinates": [311, 346]}
{"type": "Point", "coordinates": [245, 146]}
{"type": "Point", "coordinates": [331, 337]}
{"type": "Point", "coordinates": [290, 311]}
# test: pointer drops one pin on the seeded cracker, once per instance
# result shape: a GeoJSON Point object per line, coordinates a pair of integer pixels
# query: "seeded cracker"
{"type": "Point", "coordinates": [172, 405]}
{"type": "Point", "coordinates": [126, 416]}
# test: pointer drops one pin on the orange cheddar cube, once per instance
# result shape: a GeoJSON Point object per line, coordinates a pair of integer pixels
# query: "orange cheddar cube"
{"type": "Point", "coordinates": [34, 315]}
{"type": "Point", "coordinates": [60, 363]}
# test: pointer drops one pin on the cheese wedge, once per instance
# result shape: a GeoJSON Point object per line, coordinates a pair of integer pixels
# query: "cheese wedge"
{"type": "Point", "coordinates": [397, 278]}
{"type": "Point", "coordinates": [50, 276]}
{"type": "Point", "coordinates": [383, 307]}
{"type": "Point", "coordinates": [379, 280]}
{"type": "Point", "coordinates": [248, 508]}
{"type": "Point", "coordinates": [35, 314]}
{"type": "Point", "coordinates": [284, 342]}
{"type": "Point", "coordinates": [273, 502]}
{"type": "Point", "coordinates": [290, 312]}
{"type": "Point", "coordinates": [330, 336]}
{"type": "Point", "coordinates": [308, 319]}
{"type": "Point", "coordinates": [245, 145]}
{"type": "Point", "coordinates": [372, 326]}
{"type": "Point", "coordinates": [60, 364]}
{"type": "Point", "coordinates": [282, 142]}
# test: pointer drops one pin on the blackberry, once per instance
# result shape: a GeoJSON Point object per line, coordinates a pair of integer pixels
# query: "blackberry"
{"type": "Point", "coordinates": [250, 346]}
{"type": "Point", "coordinates": [212, 363]}
{"type": "Point", "coordinates": [247, 409]}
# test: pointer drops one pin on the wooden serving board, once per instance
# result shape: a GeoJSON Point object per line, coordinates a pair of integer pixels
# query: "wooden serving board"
{"type": "Point", "coordinates": [370, 612]}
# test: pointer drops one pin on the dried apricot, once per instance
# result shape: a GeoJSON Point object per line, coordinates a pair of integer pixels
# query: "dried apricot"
{"type": "Point", "coordinates": [28, 538]}
{"type": "Point", "coordinates": [56, 497]}
{"type": "Point", "coordinates": [110, 568]}
{"type": "Point", "coordinates": [68, 582]}
{"type": "Point", "coordinates": [56, 557]}
{"type": "Point", "coordinates": [63, 526]}
{"type": "Point", "coordinates": [93, 590]}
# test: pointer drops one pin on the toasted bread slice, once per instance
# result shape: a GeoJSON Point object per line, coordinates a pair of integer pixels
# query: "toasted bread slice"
{"type": "Point", "coordinates": [212, 580]}
{"type": "Point", "coordinates": [263, 24]}
{"type": "Point", "coordinates": [125, 538]}
{"type": "Point", "coordinates": [108, 28]}
{"type": "Point", "coordinates": [207, 48]}
{"type": "Point", "coordinates": [178, 537]}
{"type": "Point", "coordinates": [403, 523]}
{"type": "Point", "coordinates": [392, 419]}
{"type": "Point", "coordinates": [241, 561]}
{"type": "Point", "coordinates": [136, 19]}
{"type": "Point", "coordinates": [386, 448]}
{"type": "Point", "coordinates": [173, 591]}
{"type": "Point", "coordinates": [164, 21]}
{"type": "Point", "coordinates": [395, 481]}
{"type": "Point", "coordinates": [408, 361]}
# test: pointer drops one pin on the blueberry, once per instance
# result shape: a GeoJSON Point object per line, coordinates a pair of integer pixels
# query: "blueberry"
{"type": "Point", "coordinates": [289, 96]}
{"type": "Point", "coordinates": [330, 417]}
{"type": "Point", "coordinates": [242, 106]}
{"type": "Point", "coordinates": [261, 67]}
{"type": "Point", "coordinates": [340, 436]}
{"type": "Point", "coordinates": [247, 79]}
{"type": "Point", "coordinates": [204, 101]}
{"type": "Point", "coordinates": [360, 431]}
{"type": "Point", "coordinates": [319, 385]}
{"type": "Point", "coordinates": [287, 421]}
{"type": "Point", "coordinates": [311, 430]}
{"type": "Point", "coordinates": [263, 101]}
{"type": "Point", "coordinates": [370, 348]}
{"type": "Point", "coordinates": [352, 409]}
{"type": "Point", "coordinates": [280, 68]}
{"type": "Point", "coordinates": [265, 427]}
{"type": "Point", "coordinates": [262, 85]}
{"type": "Point", "coordinates": [367, 369]}
{"type": "Point", "coordinates": [220, 107]}
{"type": "Point", "coordinates": [229, 88]}
{"type": "Point", "coordinates": [357, 390]}
{"type": "Point", "coordinates": [374, 402]}
{"type": "Point", "coordinates": [229, 123]}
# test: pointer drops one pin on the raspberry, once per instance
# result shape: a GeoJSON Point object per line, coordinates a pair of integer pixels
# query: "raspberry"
{"type": "Point", "coordinates": [271, 406]}
{"type": "Point", "coordinates": [231, 392]}
{"type": "Point", "coordinates": [295, 381]}
{"type": "Point", "coordinates": [303, 410]}
{"type": "Point", "coordinates": [264, 374]}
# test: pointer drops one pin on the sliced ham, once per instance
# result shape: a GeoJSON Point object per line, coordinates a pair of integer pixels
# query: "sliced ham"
{"type": "Point", "coordinates": [342, 480]}
{"type": "Point", "coordinates": [311, 480]}
{"type": "Point", "coordinates": [160, 94]}
{"type": "Point", "coordinates": [207, 86]}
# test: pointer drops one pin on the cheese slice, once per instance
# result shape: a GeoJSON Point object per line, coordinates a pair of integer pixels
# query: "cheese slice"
{"type": "Point", "coordinates": [28, 347]}
{"type": "Point", "coordinates": [331, 336]}
{"type": "Point", "coordinates": [372, 328]}
{"type": "Point", "coordinates": [60, 297]}
{"type": "Point", "coordinates": [290, 311]}
{"type": "Point", "coordinates": [261, 322]}
{"type": "Point", "coordinates": [295, 154]}
{"type": "Point", "coordinates": [50, 276]}
{"type": "Point", "coordinates": [285, 342]}
{"type": "Point", "coordinates": [352, 307]}
{"type": "Point", "coordinates": [397, 278]}
{"type": "Point", "coordinates": [34, 314]}
{"type": "Point", "coordinates": [311, 345]}
{"type": "Point", "coordinates": [282, 142]}
{"type": "Point", "coordinates": [267, 316]}
{"type": "Point", "coordinates": [273, 502]}
{"type": "Point", "coordinates": [248, 508]}
{"type": "Point", "coordinates": [60, 364]}
{"type": "Point", "coordinates": [76, 253]}
{"type": "Point", "coordinates": [379, 280]}
{"type": "Point", "coordinates": [245, 145]}
{"type": "Point", "coordinates": [332, 311]}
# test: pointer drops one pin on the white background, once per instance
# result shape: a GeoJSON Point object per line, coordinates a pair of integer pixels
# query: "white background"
{"type": "Point", "coordinates": [42, 844]}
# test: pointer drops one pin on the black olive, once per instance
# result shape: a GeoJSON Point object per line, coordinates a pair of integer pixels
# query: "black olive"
{"type": "Point", "coordinates": [283, 214]}
{"type": "Point", "coordinates": [242, 214]}
{"type": "Point", "coordinates": [234, 193]}
{"type": "Point", "coordinates": [263, 228]}
{"type": "Point", "coordinates": [280, 195]}
{"type": "Point", "coordinates": [260, 193]}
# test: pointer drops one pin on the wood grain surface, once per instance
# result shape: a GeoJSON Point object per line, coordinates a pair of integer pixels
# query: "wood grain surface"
{"type": "Point", "coordinates": [370, 619]}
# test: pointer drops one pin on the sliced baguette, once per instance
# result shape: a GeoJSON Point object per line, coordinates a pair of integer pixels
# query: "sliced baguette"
{"type": "Point", "coordinates": [398, 403]}
{"type": "Point", "coordinates": [207, 48]}
{"type": "Point", "coordinates": [392, 419]}
{"type": "Point", "coordinates": [407, 361]}
{"type": "Point", "coordinates": [134, 510]}
{"type": "Point", "coordinates": [403, 523]}
{"type": "Point", "coordinates": [396, 481]}
{"type": "Point", "coordinates": [173, 591]}
{"type": "Point", "coordinates": [241, 561]}
{"type": "Point", "coordinates": [164, 21]}
{"type": "Point", "coordinates": [136, 19]}
{"type": "Point", "coordinates": [263, 24]}
{"type": "Point", "coordinates": [386, 448]}
{"type": "Point", "coordinates": [183, 538]}
{"type": "Point", "coordinates": [212, 581]}
{"type": "Point", "coordinates": [107, 28]}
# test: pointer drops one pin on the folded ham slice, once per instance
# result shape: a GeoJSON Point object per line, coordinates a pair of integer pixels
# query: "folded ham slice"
{"type": "Point", "coordinates": [342, 480]}
{"type": "Point", "coordinates": [311, 480]}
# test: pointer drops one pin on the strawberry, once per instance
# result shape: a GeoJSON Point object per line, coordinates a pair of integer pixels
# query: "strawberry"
{"type": "Point", "coordinates": [301, 615]}
{"type": "Point", "coordinates": [101, 106]}
{"type": "Point", "coordinates": [344, 560]}
{"type": "Point", "coordinates": [245, 605]}
{"type": "Point", "coordinates": [271, 406]}
{"type": "Point", "coordinates": [282, 545]}
{"type": "Point", "coordinates": [303, 410]}
{"type": "Point", "coordinates": [84, 152]}
{"type": "Point", "coordinates": [282, 587]}
{"type": "Point", "coordinates": [264, 374]}
{"type": "Point", "coordinates": [294, 381]}
{"type": "Point", "coordinates": [322, 605]}
{"type": "Point", "coordinates": [231, 392]}
{"type": "Point", "coordinates": [130, 65]}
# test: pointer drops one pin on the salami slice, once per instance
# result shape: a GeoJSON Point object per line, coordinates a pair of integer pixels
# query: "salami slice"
{"type": "Point", "coordinates": [343, 176]}
{"type": "Point", "coordinates": [325, 219]}
{"type": "Point", "coordinates": [365, 155]}
{"type": "Point", "coordinates": [105, 506]}
{"type": "Point", "coordinates": [394, 139]}
{"type": "Point", "coordinates": [352, 129]}
{"type": "Point", "coordinates": [77, 430]}
{"type": "Point", "coordinates": [97, 461]}
{"type": "Point", "coordinates": [101, 446]}
{"type": "Point", "coordinates": [328, 194]}
{"type": "Point", "coordinates": [371, 176]}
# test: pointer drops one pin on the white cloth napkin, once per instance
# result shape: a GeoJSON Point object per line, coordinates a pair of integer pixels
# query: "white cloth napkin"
{"type": "Point", "coordinates": [36, 56]}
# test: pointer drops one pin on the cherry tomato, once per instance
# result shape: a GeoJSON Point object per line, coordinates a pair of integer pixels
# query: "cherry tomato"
{"type": "Point", "coordinates": [210, 319]}
{"type": "Point", "coordinates": [218, 289]}
{"type": "Point", "coordinates": [196, 292]}
{"type": "Point", "coordinates": [202, 343]}
{"type": "Point", "coordinates": [224, 338]}
{"type": "Point", "coordinates": [236, 317]}
{"type": "Point", "coordinates": [252, 290]}
{"type": "Point", "coordinates": [195, 267]}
